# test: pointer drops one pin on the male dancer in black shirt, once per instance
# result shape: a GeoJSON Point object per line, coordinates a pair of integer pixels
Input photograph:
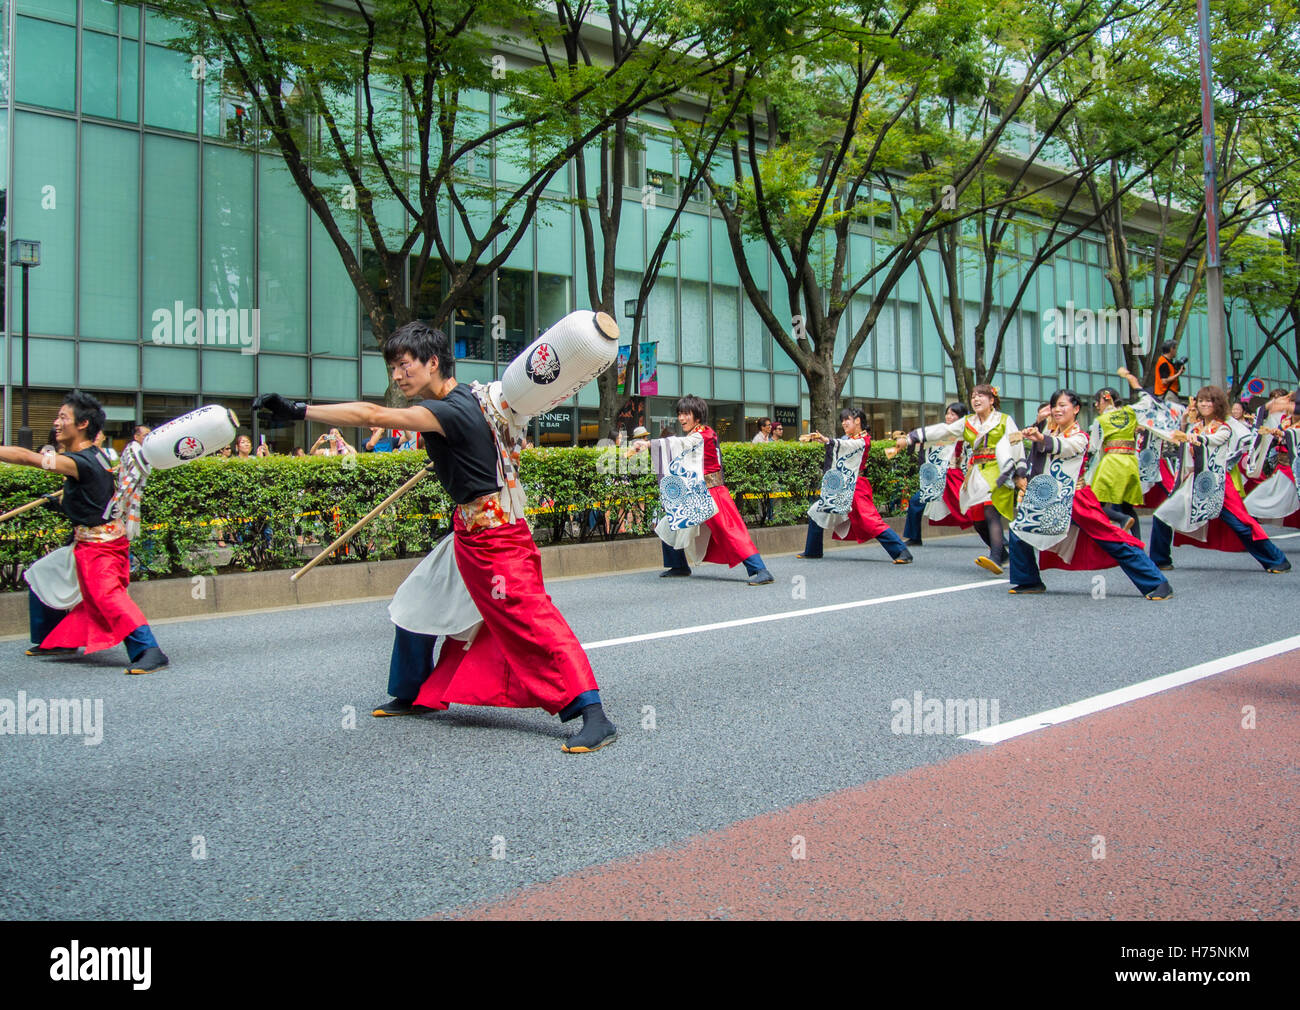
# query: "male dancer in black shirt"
{"type": "Point", "coordinates": [525, 655]}
{"type": "Point", "coordinates": [106, 614]}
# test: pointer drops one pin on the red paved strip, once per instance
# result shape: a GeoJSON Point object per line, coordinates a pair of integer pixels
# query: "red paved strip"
{"type": "Point", "coordinates": [1198, 816]}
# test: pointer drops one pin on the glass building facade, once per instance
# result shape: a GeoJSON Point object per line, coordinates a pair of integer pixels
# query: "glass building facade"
{"type": "Point", "coordinates": [158, 200]}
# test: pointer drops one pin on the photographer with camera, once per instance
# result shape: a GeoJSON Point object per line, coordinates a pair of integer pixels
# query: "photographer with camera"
{"type": "Point", "coordinates": [1168, 369]}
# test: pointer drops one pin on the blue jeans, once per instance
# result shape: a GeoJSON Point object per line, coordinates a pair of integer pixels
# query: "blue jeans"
{"type": "Point", "coordinates": [915, 518]}
{"type": "Point", "coordinates": [411, 663]}
{"type": "Point", "coordinates": [1264, 551]}
{"type": "Point", "coordinates": [889, 540]}
{"type": "Point", "coordinates": [673, 558]}
{"type": "Point", "coordinates": [1140, 569]}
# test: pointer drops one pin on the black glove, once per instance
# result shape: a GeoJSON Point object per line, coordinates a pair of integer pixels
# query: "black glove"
{"type": "Point", "coordinates": [275, 407]}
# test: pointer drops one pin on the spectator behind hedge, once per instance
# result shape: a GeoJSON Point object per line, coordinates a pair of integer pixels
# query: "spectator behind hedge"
{"type": "Point", "coordinates": [381, 440]}
{"type": "Point", "coordinates": [335, 445]}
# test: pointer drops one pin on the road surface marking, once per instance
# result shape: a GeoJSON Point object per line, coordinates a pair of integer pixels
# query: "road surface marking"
{"type": "Point", "coordinates": [1111, 699]}
{"type": "Point", "coordinates": [831, 608]}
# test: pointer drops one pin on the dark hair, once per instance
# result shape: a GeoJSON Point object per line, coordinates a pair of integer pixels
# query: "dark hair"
{"type": "Point", "coordinates": [1167, 348]}
{"type": "Point", "coordinates": [86, 408]}
{"type": "Point", "coordinates": [957, 408]}
{"type": "Point", "coordinates": [1110, 391]}
{"type": "Point", "coordinates": [1069, 394]}
{"type": "Point", "coordinates": [857, 412]}
{"type": "Point", "coordinates": [1220, 399]}
{"type": "Point", "coordinates": [422, 342]}
{"type": "Point", "coordinates": [762, 421]}
{"type": "Point", "coordinates": [694, 406]}
{"type": "Point", "coordinates": [986, 390]}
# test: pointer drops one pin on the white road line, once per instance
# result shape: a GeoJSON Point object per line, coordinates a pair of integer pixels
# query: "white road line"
{"type": "Point", "coordinates": [831, 608]}
{"type": "Point", "coordinates": [1111, 699]}
{"type": "Point", "coordinates": [1285, 536]}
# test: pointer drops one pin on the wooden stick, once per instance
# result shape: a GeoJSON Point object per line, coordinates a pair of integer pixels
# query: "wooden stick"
{"type": "Point", "coordinates": [55, 496]}
{"type": "Point", "coordinates": [357, 526]}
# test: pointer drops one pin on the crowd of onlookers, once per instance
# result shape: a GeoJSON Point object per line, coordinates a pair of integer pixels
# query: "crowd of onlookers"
{"type": "Point", "coordinates": [331, 443]}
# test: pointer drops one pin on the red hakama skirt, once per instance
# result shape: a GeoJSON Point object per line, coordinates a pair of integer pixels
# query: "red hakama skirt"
{"type": "Point", "coordinates": [1093, 525]}
{"type": "Point", "coordinates": [729, 539]}
{"type": "Point", "coordinates": [106, 613]}
{"type": "Point", "coordinates": [952, 482]}
{"type": "Point", "coordinates": [525, 655]}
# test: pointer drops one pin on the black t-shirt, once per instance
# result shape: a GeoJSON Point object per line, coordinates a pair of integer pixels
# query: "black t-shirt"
{"type": "Point", "coordinates": [465, 458]}
{"type": "Point", "coordinates": [85, 498]}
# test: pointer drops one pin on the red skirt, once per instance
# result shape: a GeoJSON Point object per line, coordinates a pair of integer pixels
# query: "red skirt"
{"type": "Point", "coordinates": [864, 521]}
{"type": "Point", "coordinates": [1161, 490]}
{"type": "Point", "coordinates": [952, 482]}
{"type": "Point", "coordinates": [729, 539]}
{"type": "Point", "coordinates": [525, 655]}
{"type": "Point", "coordinates": [1218, 537]}
{"type": "Point", "coordinates": [106, 613]}
{"type": "Point", "coordinates": [1093, 525]}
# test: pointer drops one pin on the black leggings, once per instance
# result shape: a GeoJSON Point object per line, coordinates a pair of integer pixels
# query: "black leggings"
{"type": "Point", "coordinates": [1122, 513]}
{"type": "Point", "coordinates": [990, 530]}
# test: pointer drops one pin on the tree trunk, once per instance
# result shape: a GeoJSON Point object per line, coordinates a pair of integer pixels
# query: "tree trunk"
{"type": "Point", "coordinates": [824, 389]}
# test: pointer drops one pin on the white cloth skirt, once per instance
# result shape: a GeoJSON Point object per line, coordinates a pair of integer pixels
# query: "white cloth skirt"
{"type": "Point", "coordinates": [54, 579]}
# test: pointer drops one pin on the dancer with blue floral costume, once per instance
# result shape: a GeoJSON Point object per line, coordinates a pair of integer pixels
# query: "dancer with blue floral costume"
{"type": "Point", "coordinates": [1205, 509]}
{"type": "Point", "coordinates": [1059, 522]}
{"type": "Point", "coordinates": [700, 521]}
{"type": "Point", "coordinates": [932, 475]}
{"type": "Point", "coordinates": [846, 506]}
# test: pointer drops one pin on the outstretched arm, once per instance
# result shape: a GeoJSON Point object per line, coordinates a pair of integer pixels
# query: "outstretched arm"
{"type": "Point", "coordinates": [41, 461]}
{"type": "Point", "coordinates": [356, 414]}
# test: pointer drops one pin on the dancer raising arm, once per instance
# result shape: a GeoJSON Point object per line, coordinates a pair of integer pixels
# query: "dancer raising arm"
{"type": "Point", "coordinates": [1205, 507]}
{"type": "Point", "coordinates": [1114, 475]}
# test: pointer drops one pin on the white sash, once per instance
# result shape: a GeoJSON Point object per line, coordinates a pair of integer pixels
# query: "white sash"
{"type": "Point", "coordinates": [54, 579]}
{"type": "Point", "coordinates": [433, 599]}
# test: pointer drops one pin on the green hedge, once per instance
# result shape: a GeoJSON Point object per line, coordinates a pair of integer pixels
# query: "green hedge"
{"type": "Point", "coordinates": [261, 507]}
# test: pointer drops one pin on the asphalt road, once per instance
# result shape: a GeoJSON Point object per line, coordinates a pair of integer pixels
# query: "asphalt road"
{"type": "Point", "coordinates": [249, 780]}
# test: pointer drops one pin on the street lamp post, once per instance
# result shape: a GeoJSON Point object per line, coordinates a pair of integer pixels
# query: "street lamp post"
{"type": "Point", "coordinates": [1213, 269]}
{"type": "Point", "coordinates": [633, 366]}
{"type": "Point", "coordinates": [26, 254]}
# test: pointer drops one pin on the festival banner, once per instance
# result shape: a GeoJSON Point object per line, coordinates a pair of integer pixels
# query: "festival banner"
{"type": "Point", "coordinates": [648, 374]}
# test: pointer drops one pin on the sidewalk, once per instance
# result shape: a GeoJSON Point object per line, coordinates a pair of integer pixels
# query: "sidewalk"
{"type": "Point", "coordinates": [1164, 808]}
